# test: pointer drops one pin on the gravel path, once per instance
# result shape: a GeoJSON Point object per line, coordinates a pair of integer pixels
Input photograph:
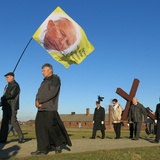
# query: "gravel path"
{"type": "Point", "coordinates": [79, 145]}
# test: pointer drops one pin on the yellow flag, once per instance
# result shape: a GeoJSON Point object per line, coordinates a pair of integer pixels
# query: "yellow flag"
{"type": "Point", "coordinates": [63, 38]}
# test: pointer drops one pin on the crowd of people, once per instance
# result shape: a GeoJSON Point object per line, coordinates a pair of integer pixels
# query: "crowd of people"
{"type": "Point", "coordinates": [137, 114]}
{"type": "Point", "coordinates": [50, 131]}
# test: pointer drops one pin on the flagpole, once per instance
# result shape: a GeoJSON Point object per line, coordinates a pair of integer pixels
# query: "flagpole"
{"type": "Point", "coordinates": [22, 54]}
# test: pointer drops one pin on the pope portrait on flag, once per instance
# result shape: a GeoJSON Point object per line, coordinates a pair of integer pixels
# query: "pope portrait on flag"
{"type": "Point", "coordinates": [63, 38]}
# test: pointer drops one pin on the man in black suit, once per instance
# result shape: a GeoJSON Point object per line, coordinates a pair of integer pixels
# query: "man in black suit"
{"type": "Point", "coordinates": [98, 120]}
{"type": "Point", "coordinates": [157, 121]}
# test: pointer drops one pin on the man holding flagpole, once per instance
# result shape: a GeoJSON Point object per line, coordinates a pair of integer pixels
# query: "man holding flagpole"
{"type": "Point", "coordinates": [49, 127]}
{"type": "Point", "coordinates": [10, 107]}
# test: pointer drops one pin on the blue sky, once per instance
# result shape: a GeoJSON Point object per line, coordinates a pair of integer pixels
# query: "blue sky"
{"type": "Point", "coordinates": [124, 33]}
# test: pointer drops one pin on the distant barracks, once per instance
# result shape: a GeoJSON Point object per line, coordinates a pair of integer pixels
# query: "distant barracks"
{"type": "Point", "coordinates": [74, 120]}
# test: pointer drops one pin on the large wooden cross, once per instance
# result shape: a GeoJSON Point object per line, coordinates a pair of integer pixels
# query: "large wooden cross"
{"type": "Point", "coordinates": [129, 97]}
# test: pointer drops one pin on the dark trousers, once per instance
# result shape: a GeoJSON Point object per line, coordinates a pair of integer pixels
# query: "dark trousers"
{"type": "Point", "coordinates": [158, 131]}
{"type": "Point", "coordinates": [137, 129]}
{"type": "Point", "coordinates": [47, 130]}
{"type": "Point", "coordinates": [4, 124]}
{"type": "Point", "coordinates": [16, 125]}
{"type": "Point", "coordinates": [9, 116]}
{"type": "Point", "coordinates": [117, 129]}
{"type": "Point", "coordinates": [131, 130]}
{"type": "Point", "coordinates": [95, 131]}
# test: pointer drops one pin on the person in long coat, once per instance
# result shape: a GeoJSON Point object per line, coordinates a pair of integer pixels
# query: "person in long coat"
{"type": "Point", "coordinates": [48, 124]}
{"type": "Point", "coordinates": [98, 120]}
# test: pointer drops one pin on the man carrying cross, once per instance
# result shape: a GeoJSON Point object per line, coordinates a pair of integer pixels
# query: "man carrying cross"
{"type": "Point", "coordinates": [136, 113]}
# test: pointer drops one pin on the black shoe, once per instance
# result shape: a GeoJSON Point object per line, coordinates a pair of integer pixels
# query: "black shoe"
{"type": "Point", "coordinates": [92, 138]}
{"type": "Point", "coordinates": [58, 149]}
{"type": "Point", "coordinates": [155, 141]}
{"type": "Point", "coordinates": [21, 141]}
{"type": "Point", "coordinates": [38, 153]}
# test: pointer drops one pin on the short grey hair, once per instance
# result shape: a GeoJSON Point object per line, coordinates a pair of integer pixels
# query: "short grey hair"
{"type": "Point", "coordinates": [135, 98]}
{"type": "Point", "coordinates": [48, 65]}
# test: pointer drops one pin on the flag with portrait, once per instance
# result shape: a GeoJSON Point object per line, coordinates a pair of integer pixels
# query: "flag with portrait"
{"type": "Point", "coordinates": [63, 38]}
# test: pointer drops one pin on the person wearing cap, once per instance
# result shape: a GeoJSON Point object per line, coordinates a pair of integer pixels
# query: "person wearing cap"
{"type": "Point", "coordinates": [10, 107]}
{"type": "Point", "coordinates": [98, 120]}
{"type": "Point", "coordinates": [50, 131]}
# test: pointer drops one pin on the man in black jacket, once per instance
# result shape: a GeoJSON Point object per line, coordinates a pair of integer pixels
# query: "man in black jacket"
{"type": "Point", "coordinates": [157, 122]}
{"type": "Point", "coordinates": [10, 107]}
{"type": "Point", "coordinates": [136, 114]}
{"type": "Point", "coordinates": [49, 127]}
{"type": "Point", "coordinates": [98, 120]}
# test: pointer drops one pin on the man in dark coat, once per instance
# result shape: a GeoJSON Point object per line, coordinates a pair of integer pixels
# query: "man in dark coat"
{"type": "Point", "coordinates": [136, 113]}
{"type": "Point", "coordinates": [157, 122]}
{"type": "Point", "coordinates": [49, 127]}
{"type": "Point", "coordinates": [10, 107]}
{"type": "Point", "coordinates": [98, 120]}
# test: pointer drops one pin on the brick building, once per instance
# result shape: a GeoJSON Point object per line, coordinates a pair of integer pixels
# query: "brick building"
{"type": "Point", "coordinates": [74, 120]}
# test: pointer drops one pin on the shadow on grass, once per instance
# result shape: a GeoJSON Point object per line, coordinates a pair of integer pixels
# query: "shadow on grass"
{"type": "Point", "coordinates": [25, 133]}
{"type": "Point", "coordinates": [70, 135]}
{"type": "Point", "coordinates": [12, 150]}
{"type": "Point", "coordinates": [86, 137]}
{"type": "Point", "coordinates": [26, 140]}
{"type": "Point", "coordinates": [149, 139]}
{"type": "Point", "coordinates": [108, 137]}
{"type": "Point", "coordinates": [8, 152]}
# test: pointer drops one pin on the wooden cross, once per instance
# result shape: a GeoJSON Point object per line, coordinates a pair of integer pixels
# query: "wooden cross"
{"type": "Point", "coordinates": [129, 97]}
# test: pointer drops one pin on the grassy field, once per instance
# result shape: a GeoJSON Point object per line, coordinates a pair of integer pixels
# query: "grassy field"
{"type": "Point", "coordinates": [74, 133]}
{"type": "Point", "coordinates": [143, 153]}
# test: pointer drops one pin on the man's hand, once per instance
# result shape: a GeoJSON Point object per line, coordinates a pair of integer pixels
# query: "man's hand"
{"type": "Point", "coordinates": [155, 121]}
{"type": "Point", "coordinates": [102, 122]}
{"type": "Point", "coordinates": [37, 104]}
